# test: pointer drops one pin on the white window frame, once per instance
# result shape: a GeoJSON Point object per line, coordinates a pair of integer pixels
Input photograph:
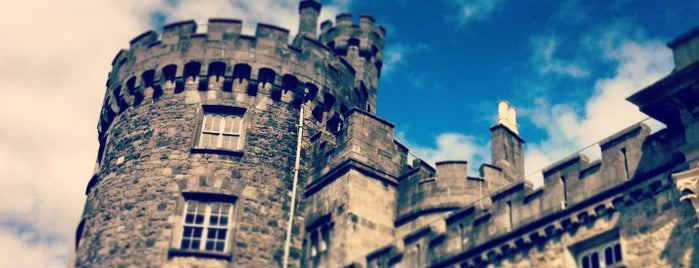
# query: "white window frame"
{"type": "Point", "coordinates": [218, 125]}
{"type": "Point", "coordinates": [206, 226]}
{"type": "Point", "coordinates": [221, 132]}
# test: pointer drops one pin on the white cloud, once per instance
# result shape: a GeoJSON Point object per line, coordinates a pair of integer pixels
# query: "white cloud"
{"type": "Point", "coordinates": [56, 59]}
{"type": "Point", "coordinates": [469, 11]}
{"type": "Point", "coordinates": [397, 55]}
{"type": "Point", "coordinates": [544, 58]}
{"type": "Point", "coordinates": [451, 146]}
{"type": "Point", "coordinates": [639, 62]}
{"type": "Point", "coordinates": [27, 250]}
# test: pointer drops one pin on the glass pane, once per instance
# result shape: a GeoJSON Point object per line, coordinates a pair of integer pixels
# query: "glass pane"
{"type": "Point", "coordinates": [205, 140]}
{"type": "Point", "coordinates": [586, 262]}
{"type": "Point", "coordinates": [195, 244]}
{"type": "Point", "coordinates": [229, 142]}
{"type": "Point", "coordinates": [209, 245]}
{"type": "Point", "coordinates": [189, 218]}
{"type": "Point", "coordinates": [222, 235]}
{"type": "Point", "coordinates": [209, 140]}
{"type": "Point", "coordinates": [211, 234]}
{"type": "Point", "coordinates": [208, 123]}
{"type": "Point", "coordinates": [219, 246]}
{"type": "Point", "coordinates": [594, 260]}
{"type": "Point", "coordinates": [617, 252]}
{"type": "Point", "coordinates": [185, 244]}
{"type": "Point", "coordinates": [213, 220]}
{"type": "Point", "coordinates": [199, 219]}
{"type": "Point", "coordinates": [191, 206]}
{"type": "Point", "coordinates": [197, 232]}
{"type": "Point", "coordinates": [232, 124]}
{"type": "Point", "coordinates": [224, 221]}
{"type": "Point", "coordinates": [216, 124]}
{"type": "Point", "coordinates": [608, 257]}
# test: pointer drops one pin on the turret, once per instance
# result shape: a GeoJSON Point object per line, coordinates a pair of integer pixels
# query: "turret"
{"type": "Point", "coordinates": [506, 144]}
{"type": "Point", "coordinates": [204, 123]}
{"type": "Point", "coordinates": [360, 45]}
{"type": "Point", "coordinates": [308, 18]}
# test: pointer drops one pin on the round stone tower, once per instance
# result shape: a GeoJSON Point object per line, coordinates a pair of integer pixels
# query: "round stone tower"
{"type": "Point", "coordinates": [198, 140]}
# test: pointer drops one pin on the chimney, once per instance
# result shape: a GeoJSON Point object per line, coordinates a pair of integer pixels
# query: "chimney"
{"type": "Point", "coordinates": [507, 147]}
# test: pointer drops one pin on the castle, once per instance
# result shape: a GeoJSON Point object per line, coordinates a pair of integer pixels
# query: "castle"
{"type": "Point", "coordinates": [210, 141]}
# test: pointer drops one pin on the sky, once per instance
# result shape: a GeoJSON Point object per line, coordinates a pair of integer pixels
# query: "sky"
{"type": "Point", "coordinates": [566, 65]}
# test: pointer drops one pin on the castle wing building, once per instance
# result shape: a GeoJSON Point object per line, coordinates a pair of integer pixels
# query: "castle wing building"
{"type": "Point", "coordinates": [204, 134]}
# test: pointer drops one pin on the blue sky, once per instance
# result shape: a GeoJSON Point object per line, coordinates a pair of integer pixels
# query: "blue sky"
{"type": "Point", "coordinates": [566, 65]}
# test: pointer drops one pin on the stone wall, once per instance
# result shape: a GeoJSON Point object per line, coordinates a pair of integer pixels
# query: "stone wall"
{"type": "Point", "coordinates": [149, 163]}
{"type": "Point", "coordinates": [149, 159]}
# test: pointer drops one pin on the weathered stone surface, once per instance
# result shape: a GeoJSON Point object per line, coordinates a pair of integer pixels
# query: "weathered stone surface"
{"type": "Point", "coordinates": [362, 200]}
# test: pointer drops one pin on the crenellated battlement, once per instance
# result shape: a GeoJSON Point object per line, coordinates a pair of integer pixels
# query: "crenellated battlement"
{"type": "Point", "coordinates": [426, 190]}
{"type": "Point", "coordinates": [493, 225]}
{"type": "Point", "coordinates": [575, 192]}
{"type": "Point", "coordinates": [245, 68]}
{"type": "Point", "coordinates": [204, 124]}
{"type": "Point", "coordinates": [366, 36]}
{"type": "Point", "coordinates": [361, 43]}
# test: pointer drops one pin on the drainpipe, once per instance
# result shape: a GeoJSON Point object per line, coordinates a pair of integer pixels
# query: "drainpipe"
{"type": "Point", "coordinates": [290, 225]}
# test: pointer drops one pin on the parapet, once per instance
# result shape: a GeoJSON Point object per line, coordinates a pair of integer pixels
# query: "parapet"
{"type": "Point", "coordinates": [425, 191]}
{"type": "Point", "coordinates": [363, 138]}
{"type": "Point", "coordinates": [576, 191]}
{"type": "Point", "coordinates": [366, 36]}
{"type": "Point", "coordinates": [224, 60]}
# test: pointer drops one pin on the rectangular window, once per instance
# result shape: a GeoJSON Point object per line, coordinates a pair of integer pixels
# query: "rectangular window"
{"type": "Point", "coordinates": [206, 226]}
{"type": "Point", "coordinates": [222, 128]}
{"type": "Point", "coordinates": [221, 131]}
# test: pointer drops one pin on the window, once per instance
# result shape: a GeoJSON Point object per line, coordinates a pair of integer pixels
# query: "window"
{"type": "Point", "coordinates": [206, 225]}
{"type": "Point", "coordinates": [318, 236]}
{"type": "Point", "coordinates": [601, 251]}
{"type": "Point", "coordinates": [320, 239]}
{"type": "Point", "coordinates": [604, 256]}
{"type": "Point", "coordinates": [221, 129]}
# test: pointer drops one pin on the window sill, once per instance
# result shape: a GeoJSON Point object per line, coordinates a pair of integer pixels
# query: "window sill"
{"type": "Point", "coordinates": [202, 150]}
{"type": "Point", "coordinates": [176, 252]}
